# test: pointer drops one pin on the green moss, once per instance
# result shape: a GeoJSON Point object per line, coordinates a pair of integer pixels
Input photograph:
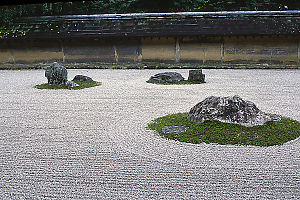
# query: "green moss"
{"type": "Point", "coordinates": [83, 84]}
{"type": "Point", "coordinates": [271, 133]}
{"type": "Point", "coordinates": [184, 82]}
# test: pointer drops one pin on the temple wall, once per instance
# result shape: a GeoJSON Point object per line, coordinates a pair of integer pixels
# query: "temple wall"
{"type": "Point", "coordinates": [276, 49]}
{"type": "Point", "coordinates": [158, 49]}
{"type": "Point", "coordinates": [202, 50]}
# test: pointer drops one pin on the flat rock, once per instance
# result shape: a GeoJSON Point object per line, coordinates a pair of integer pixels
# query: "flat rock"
{"type": "Point", "coordinates": [82, 78]}
{"type": "Point", "coordinates": [167, 77]}
{"type": "Point", "coordinates": [174, 129]}
{"type": "Point", "coordinates": [228, 109]}
{"type": "Point", "coordinates": [275, 118]}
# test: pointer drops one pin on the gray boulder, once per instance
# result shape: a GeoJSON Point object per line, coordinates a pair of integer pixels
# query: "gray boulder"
{"type": "Point", "coordinates": [167, 76]}
{"type": "Point", "coordinates": [56, 74]}
{"type": "Point", "coordinates": [228, 109]}
{"type": "Point", "coordinates": [82, 78]}
{"type": "Point", "coordinates": [196, 75]}
{"type": "Point", "coordinates": [72, 84]}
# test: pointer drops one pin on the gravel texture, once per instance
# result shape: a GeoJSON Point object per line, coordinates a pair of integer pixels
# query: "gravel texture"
{"type": "Point", "coordinates": [92, 143]}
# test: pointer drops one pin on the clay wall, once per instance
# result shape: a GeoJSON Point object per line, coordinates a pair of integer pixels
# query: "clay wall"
{"type": "Point", "coordinates": [195, 49]}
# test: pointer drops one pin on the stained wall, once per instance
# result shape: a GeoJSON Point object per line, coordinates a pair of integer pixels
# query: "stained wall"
{"type": "Point", "coordinates": [202, 50]}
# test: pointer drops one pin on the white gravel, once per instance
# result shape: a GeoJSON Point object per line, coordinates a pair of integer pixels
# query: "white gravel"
{"type": "Point", "coordinates": [92, 143]}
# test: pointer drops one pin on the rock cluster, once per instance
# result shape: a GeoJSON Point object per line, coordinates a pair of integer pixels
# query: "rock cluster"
{"type": "Point", "coordinates": [194, 75]}
{"type": "Point", "coordinates": [56, 74]}
{"type": "Point", "coordinates": [167, 77]}
{"type": "Point", "coordinates": [228, 109]}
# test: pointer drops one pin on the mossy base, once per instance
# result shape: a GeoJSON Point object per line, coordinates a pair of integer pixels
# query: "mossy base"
{"type": "Point", "coordinates": [271, 133]}
{"type": "Point", "coordinates": [83, 84]}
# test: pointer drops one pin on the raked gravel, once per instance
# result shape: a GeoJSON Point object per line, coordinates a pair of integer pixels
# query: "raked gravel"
{"type": "Point", "coordinates": [93, 144]}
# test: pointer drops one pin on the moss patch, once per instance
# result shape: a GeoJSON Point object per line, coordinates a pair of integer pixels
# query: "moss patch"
{"type": "Point", "coordinates": [271, 133]}
{"type": "Point", "coordinates": [83, 84]}
{"type": "Point", "coordinates": [184, 82]}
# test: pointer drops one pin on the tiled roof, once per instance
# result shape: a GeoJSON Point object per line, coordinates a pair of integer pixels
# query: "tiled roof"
{"type": "Point", "coordinates": [156, 24]}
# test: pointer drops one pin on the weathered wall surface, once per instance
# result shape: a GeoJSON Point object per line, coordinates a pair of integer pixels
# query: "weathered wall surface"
{"type": "Point", "coordinates": [202, 50]}
{"type": "Point", "coordinates": [31, 51]}
{"type": "Point", "coordinates": [84, 50]}
{"type": "Point", "coordinates": [279, 49]}
{"type": "Point", "coordinates": [158, 49]}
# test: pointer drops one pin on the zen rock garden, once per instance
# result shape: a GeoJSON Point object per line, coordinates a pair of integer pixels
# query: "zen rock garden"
{"type": "Point", "coordinates": [57, 77]}
{"type": "Point", "coordinates": [195, 77]}
{"type": "Point", "coordinates": [222, 120]}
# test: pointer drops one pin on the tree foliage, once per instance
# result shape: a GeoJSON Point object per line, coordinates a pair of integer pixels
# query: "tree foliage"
{"type": "Point", "coordinates": [9, 14]}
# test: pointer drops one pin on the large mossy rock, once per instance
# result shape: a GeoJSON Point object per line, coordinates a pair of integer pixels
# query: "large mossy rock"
{"type": "Point", "coordinates": [167, 77]}
{"type": "Point", "coordinates": [56, 74]}
{"type": "Point", "coordinates": [228, 109]}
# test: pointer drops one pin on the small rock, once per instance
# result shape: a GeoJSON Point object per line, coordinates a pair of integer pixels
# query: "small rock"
{"type": "Point", "coordinates": [275, 118]}
{"type": "Point", "coordinates": [72, 84]}
{"type": "Point", "coordinates": [174, 129]}
{"type": "Point", "coordinates": [82, 78]}
{"type": "Point", "coordinates": [196, 75]}
{"type": "Point", "coordinates": [167, 76]}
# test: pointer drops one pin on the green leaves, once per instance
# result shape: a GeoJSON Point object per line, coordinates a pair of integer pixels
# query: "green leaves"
{"type": "Point", "coordinates": [10, 14]}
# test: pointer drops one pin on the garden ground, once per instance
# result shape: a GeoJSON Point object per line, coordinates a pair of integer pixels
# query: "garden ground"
{"type": "Point", "coordinates": [93, 143]}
